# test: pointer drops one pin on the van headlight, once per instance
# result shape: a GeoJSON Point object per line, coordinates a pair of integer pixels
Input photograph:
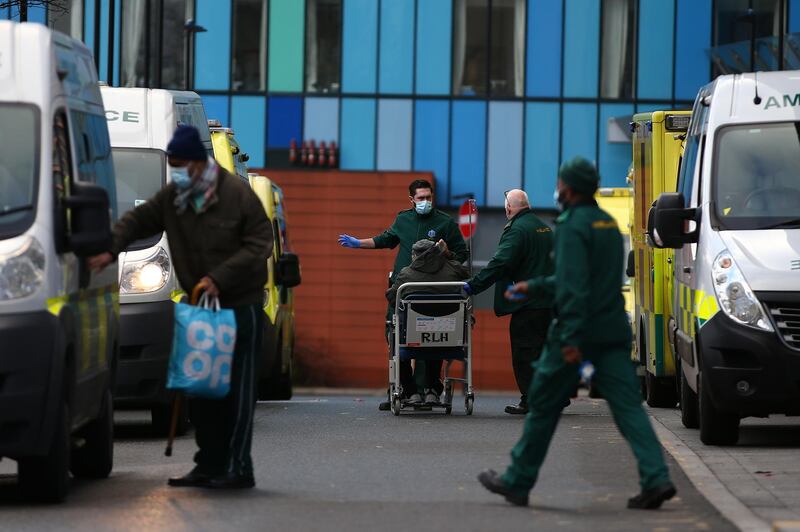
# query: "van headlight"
{"type": "Point", "coordinates": [734, 295]}
{"type": "Point", "coordinates": [146, 275]}
{"type": "Point", "coordinates": [21, 270]}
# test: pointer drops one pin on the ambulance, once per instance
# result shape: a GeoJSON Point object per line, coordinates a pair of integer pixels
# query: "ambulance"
{"type": "Point", "coordinates": [227, 151]}
{"type": "Point", "coordinates": [141, 123]}
{"type": "Point", "coordinates": [59, 321]}
{"type": "Point", "coordinates": [734, 223]}
{"type": "Point", "coordinates": [656, 140]}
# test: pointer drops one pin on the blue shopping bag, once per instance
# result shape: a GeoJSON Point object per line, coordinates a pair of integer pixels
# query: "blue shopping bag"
{"type": "Point", "coordinates": [202, 349]}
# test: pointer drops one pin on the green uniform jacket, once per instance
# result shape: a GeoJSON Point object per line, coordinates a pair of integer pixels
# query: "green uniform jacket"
{"type": "Point", "coordinates": [409, 227]}
{"type": "Point", "coordinates": [589, 306]}
{"type": "Point", "coordinates": [231, 241]}
{"type": "Point", "coordinates": [525, 251]}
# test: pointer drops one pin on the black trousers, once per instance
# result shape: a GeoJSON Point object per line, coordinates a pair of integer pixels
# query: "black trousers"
{"type": "Point", "coordinates": [224, 427]}
{"type": "Point", "coordinates": [432, 372]}
{"type": "Point", "coordinates": [528, 330]}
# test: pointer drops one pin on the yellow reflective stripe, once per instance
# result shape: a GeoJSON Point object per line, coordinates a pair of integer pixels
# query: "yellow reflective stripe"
{"type": "Point", "coordinates": [102, 302]}
{"type": "Point", "coordinates": [55, 304]}
{"type": "Point", "coordinates": [86, 332]}
{"type": "Point", "coordinates": [177, 295]}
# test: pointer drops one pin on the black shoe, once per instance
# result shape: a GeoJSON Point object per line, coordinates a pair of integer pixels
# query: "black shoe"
{"type": "Point", "coordinates": [492, 482]}
{"type": "Point", "coordinates": [520, 409]}
{"type": "Point", "coordinates": [652, 499]}
{"type": "Point", "coordinates": [193, 479]}
{"type": "Point", "coordinates": [385, 406]}
{"type": "Point", "coordinates": [231, 481]}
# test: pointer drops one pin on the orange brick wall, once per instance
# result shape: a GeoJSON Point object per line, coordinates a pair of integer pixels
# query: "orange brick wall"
{"type": "Point", "coordinates": [340, 306]}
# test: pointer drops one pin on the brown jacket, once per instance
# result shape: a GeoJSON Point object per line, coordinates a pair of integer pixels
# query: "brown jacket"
{"type": "Point", "coordinates": [230, 242]}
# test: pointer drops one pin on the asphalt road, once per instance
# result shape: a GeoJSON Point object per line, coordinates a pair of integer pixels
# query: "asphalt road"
{"type": "Point", "coordinates": [336, 463]}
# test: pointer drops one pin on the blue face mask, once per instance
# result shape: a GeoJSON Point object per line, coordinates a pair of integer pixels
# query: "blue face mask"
{"type": "Point", "coordinates": [180, 176]}
{"type": "Point", "coordinates": [423, 207]}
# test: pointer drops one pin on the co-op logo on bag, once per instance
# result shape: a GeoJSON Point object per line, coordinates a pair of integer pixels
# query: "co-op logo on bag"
{"type": "Point", "coordinates": [199, 363]}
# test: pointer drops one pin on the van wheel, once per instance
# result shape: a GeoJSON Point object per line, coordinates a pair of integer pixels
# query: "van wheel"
{"type": "Point", "coordinates": [96, 458]}
{"type": "Point", "coordinates": [46, 478]}
{"type": "Point", "coordinates": [660, 391]}
{"type": "Point", "coordinates": [161, 416]}
{"type": "Point", "coordinates": [689, 406]}
{"type": "Point", "coordinates": [716, 428]}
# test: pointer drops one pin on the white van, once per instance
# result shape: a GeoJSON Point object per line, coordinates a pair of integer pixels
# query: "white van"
{"type": "Point", "coordinates": [735, 223]}
{"type": "Point", "coordinates": [141, 123]}
{"type": "Point", "coordinates": [58, 320]}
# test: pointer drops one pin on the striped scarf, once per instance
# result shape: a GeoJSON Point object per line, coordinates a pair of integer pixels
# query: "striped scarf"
{"type": "Point", "coordinates": [201, 193]}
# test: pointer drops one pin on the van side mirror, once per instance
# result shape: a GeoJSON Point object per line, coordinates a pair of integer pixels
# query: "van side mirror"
{"type": "Point", "coordinates": [670, 222]}
{"type": "Point", "coordinates": [287, 274]}
{"type": "Point", "coordinates": [90, 227]}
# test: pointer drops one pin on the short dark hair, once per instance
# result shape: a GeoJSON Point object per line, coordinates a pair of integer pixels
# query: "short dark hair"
{"type": "Point", "coordinates": [417, 184]}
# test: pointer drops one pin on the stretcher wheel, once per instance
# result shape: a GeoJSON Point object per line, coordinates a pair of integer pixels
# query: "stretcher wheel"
{"type": "Point", "coordinates": [469, 402]}
{"type": "Point", "coordinates": [448, 410]}
{"type": "Point", "coordinates": [396, 405]}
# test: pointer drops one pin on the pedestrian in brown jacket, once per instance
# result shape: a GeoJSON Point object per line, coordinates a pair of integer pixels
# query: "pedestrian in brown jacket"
{"type": "Point", "coordinates": [221, 239]}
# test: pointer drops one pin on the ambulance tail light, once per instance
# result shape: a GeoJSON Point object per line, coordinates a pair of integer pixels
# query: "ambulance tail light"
{"type": "Point", "coordinates": [735, 297]}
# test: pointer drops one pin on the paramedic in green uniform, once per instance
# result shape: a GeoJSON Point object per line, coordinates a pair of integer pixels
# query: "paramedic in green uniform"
{"type": "Point", "coordinates": [590, 324]}
{"type": "Point", "coordinates": [421, 221]}
{"type": "Point", "coordinates": [524, 251]}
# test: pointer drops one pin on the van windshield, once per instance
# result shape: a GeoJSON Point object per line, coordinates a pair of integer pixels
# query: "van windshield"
{"type": "Point", "coordinates": [140, 174]}
{"type": "Point", "coordinates": [19, 147]}
{"type": "Point", "coordinates": [757, 176]}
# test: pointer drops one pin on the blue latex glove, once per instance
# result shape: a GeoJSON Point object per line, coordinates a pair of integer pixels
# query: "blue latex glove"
{"type": "Point", "coordinates": [348, 241]}
{"type": "Point", "coordinates": [467, 289]}
{"type": "Point", "coordinates": [515, 296]}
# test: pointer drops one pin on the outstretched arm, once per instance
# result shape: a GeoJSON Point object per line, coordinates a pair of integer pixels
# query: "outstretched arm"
{"type": "Point", "coordinates": [347, 241]}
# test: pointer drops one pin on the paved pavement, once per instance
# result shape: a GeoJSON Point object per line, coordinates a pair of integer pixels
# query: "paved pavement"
{"type": "Point", "coordinates": [336, 463]}
{"type": "Point", "coordinates": [762, 472]}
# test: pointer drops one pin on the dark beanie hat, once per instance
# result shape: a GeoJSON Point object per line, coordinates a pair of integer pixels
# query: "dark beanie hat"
{"type": "Point", "coordinates": [580, 175]}
{"type": "Point", "coordinates": [186, 145]}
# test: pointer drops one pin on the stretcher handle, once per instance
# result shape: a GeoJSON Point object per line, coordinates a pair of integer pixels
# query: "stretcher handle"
{"type": "Point", "coordinates": [440, 284]}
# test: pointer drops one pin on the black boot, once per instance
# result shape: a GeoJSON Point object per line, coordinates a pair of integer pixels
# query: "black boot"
{"type": "Point", "coordinates": [231, 481]}
{"type": "Point", "coordinates": [652, 499]}
{"type": "Point", "coordinates": [492, 482]}
{"type": "Point", "coordinates": [519, 409]}
{"type": "Point", "coordinates": [195, 478]}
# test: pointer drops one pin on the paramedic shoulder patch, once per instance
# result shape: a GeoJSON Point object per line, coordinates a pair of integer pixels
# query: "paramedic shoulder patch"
{"type": "Point", "coordinates": [604, 224]}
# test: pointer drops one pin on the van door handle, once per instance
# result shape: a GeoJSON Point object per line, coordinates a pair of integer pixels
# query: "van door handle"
{"type": "Point", "coordinates": [687, 269]}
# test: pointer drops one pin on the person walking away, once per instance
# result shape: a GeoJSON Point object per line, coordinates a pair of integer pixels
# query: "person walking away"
{"type": "Point", "coordinates": [429, 264]}
{"type": "Point", "coordinates": [219, 238]}
{"type": "Point", "coordinates": [421, 221]}
{"type": "Point", "coordinates": [524, 251]}
{"type": "Point", "coordinates": [591, 325]}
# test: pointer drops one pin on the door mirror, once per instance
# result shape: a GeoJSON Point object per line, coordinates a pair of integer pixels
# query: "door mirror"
{"type": "Point", "coordinates": [670, 222]}
{"type": "Point", "coordinates": [90, 220]}
{"type": "Point", "coordinates": [287, 274]}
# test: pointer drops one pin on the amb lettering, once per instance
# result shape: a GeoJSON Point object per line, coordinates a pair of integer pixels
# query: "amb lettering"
{"type": "Point", "coordinates": [788, 100]}
{"type": "Point", "coordinates": [434, 338]}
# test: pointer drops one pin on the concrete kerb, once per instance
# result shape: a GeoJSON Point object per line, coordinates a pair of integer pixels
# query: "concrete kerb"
{"type": "Point", "coordinates": [709, 485]}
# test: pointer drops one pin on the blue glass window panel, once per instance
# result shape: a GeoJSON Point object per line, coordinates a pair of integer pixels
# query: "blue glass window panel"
{"type": "Point", "coordinates": [395, 119]}
{"type": "Point", "coordinates": [359, 46]}
{"type": "Point", "coordinates": [544, 48]}
{"type": "Point", "coordinates": [248, 114]}
{"type": "Point", "coordinates": [578, 132]}
{"type": "Point", "coordinates": [581, 43]}
{"type": "Point", "coordinates": [103, 73]}
{"type": "Point", "coordinates": [432, 141]}
{"type": "Point", "coordinates": [358, 133]}
{"type": "Point", "coordinates": [285, 121]}
{"type": "Point", "coordinates": [542, 130]}
{"type": "Point", "coordinates": [5, 13]}
{"type": "Point", "coordinates": [396, 74]}
{"type": "Point", "coordinates": [88, 24]}
{"type": "Point", "coordinates": [434, 38]}
{"type": "Point", "coordinates": [38, 14]}
{"type": "Point", "coordinates": [614, 158]}
{"type": "Point", "coordinates": [649, 107]}
{"type": "Point", "coordinates": [654, 78]}
{"type": "Point", "coordinates": [117, 29]}
{"type": "Point", "coordinates": [693, 38]}
{"type": "Point", "coordinates": [468, 150]}
{"type": "Point", "coordinates": [794, 16]}
{"type": "Point", "coordinates": [217, 108]}
{"type": "Point", "coordinates": [321, 119]}
{"type": "Point", "coordinates": [504, 165]}
{"type": "Point", "coordinates": [213, 47]}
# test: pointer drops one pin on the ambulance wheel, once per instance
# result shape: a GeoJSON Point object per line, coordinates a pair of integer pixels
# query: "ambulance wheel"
{"type": "Point", "coordinates": [660, 391]}
{"type": "Point", "coordinates": [689, 405]}
{"type": "Point", "coordinates": [46, 478]}
{"type": "Point", "coordinates": [162, 418]}
{"type": "Point", "coordinates": [716, 428]}
{"type": "Point", "coordinates": [469, 402]}
{"type": "Point", "coordinates": [396, 405]}
{"type": "Point", "coordinates": [96, 458]}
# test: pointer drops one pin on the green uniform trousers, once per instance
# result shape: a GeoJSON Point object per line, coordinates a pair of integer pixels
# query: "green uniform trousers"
{"type": "Point", "coordinates": [553, 382]}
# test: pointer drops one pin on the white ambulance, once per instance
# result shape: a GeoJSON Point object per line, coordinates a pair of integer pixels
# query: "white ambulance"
{"type": "Point", "coordinates": [141, 123]}
{"type": "Point", "coordinates": [735, 225]}
{"type": "Point", "coordinates": [58, 320]}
